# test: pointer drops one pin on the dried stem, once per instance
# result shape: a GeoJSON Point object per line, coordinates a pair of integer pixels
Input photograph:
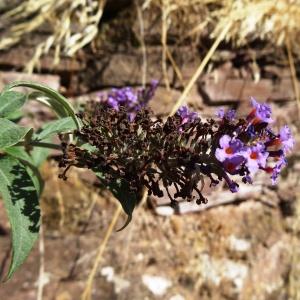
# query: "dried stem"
{"type": "Point", "coordinates": [86, 295]}
{"type": "Point", "coordinates": [293, 73]}
{"type": "Point", "coordinates": [164, 31]}
{"type": "Point", "coordinates": [142, 40]}
{"type": "Point", "coordinates": [201, 68]}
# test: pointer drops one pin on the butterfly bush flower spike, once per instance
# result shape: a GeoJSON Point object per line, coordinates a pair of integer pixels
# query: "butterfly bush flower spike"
{"type": "Point", "coordinates": [172, 157]}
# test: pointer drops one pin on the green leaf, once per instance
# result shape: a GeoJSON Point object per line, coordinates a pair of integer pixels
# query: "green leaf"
{"type": "Point", "coordinates": [10, 102]}
{"type": "Point", "coordinates": [57, 126]}
{"type": "Point", "coordinates": [120, 189]}
{"type": "Point", "coordinates": [22, 205]}
{"type": "Point", "coordinates": [57, 98]}
{"type": "Point", "coordinates": [10, 133]}
{"type": "Point", "coordinates": [50, 102]}
{"type": "Point", "coordinates": [30, 164]}
{"type": "Point", "coordinates": [39, 155]}
{"type": "Point", "coordinates": [15, 116]}
{"type": "Point", "coordinates": [19, 153]}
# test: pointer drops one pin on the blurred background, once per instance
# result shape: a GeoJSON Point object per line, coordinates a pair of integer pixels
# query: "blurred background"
{"type": "Point", "coordinates": [207, 54]}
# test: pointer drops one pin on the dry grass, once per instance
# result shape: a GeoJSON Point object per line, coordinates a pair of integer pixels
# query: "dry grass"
{"type": "Point", "coordinates": [71, 24]}
{"type": "Point", "coordinates": [269, 20]}
{"type": "Point", "coordinates": [74, 23]}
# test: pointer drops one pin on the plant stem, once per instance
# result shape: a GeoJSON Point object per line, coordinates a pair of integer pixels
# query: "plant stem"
{"type": "Point", "coordinates": [40, 144]}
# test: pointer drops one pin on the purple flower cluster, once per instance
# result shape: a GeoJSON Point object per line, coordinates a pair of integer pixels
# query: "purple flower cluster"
{"type": "Point", "coordinates": [253, 146]}
{"type": "Point", "coordinates": [132, 100]}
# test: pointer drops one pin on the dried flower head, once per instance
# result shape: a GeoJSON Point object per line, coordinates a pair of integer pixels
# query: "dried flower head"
{"type": "Point", "coordinates": [179, 152]}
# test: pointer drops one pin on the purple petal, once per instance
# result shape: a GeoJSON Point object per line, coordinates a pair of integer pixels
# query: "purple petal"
{"type": "Point", "coordinates": [233, 164]}
{"type": "Point", "coordinates": [220, 113]}
{"type": "Point", "coordinates": [286, 138]}
{"type": "Point", "coordinates": [224, 141]}
{"type": "Point", "coordinates": [277, 169]}
{"type": "Point", "coordinates": [262, 112]}
{"type": "Point", "coordinates": [220, 155]}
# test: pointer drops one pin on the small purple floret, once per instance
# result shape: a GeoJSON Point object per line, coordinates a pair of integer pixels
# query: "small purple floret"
{"type": "Point", "coordinates": [256, 157]}
{"type": "Point", "coordinates": [282, 162]}
{"type": "Point", "coordinates": [233, 164]}
{"type": "Point", "coordinates": [261, 113]}
{"type": "Point", "coordinates": [112, 102]}
{"type": "Point", "coordinates": [252, 145]}
{"type": "Point", "coordinates": [247, 179]}
{"type": "Point", "coordinates": [233, 186]}
{"type": "Point", "coordinates": [186, 115]}
{"type": "Point", "coordinates": [229, 115]}
{"type": "Point", "coordinates": [286, 138]}
{"type": "Point", "coordinates": [230, 147]}
{"type": "Point", "coordinates": [148, 94]}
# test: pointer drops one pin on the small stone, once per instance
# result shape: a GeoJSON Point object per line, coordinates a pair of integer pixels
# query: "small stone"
{"type": "Point", "coordinates": [119, 283]}
{"type": "Point", "coordinates": [215, 270]}
{"type": "Point", "coordinates": [156, 284]}
{"type": "Point", "coordinates": [165, 211]}
{"type": "Point", "coordinates": [237, 244]}
{"type": "Point", "coordinates": [63, 296]}
{"type": "Point", "coordinates": [139, 257]}
{"type": "Point", "coordinates": [43, 280]}
{"type": "Point", "coordinates": [108, 272]}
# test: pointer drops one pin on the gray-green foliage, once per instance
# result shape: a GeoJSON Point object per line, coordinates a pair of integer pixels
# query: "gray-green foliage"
{"type": "Point", "coordinates": [20, 181]}
{"type": "Point", "coordinates": [10, 133]}
{"type": "Point", "coordinates": [22, 205]}
{"type": "Point", "coordinates": [51, 128]}
{"type": "Point", "coordinates": [22, 151]}
{"type": "Point", "coordinates": [10, 102]}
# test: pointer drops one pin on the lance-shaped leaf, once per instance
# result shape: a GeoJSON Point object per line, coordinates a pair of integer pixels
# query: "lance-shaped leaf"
{"type": "Point", "coordinates": [21, 203]}
{"type": "Point", "coordinates": [31, 163]}
{"type": "Point", "coordinates": [10, 102]}
{"type": "Point", "coordinates": [57, 126]}
{"type": "Point", "coordinates": [39, 155]}
{"type": "Point", "coordinates": [10, 133]}
{"type": "Point", "coordinates": [120, 189]}
{"type": "Point", "coordinates": [51, 94]}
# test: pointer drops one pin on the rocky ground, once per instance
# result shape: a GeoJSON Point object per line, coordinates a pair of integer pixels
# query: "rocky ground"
{"type": "Point", "coordinates": [238, 246]}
